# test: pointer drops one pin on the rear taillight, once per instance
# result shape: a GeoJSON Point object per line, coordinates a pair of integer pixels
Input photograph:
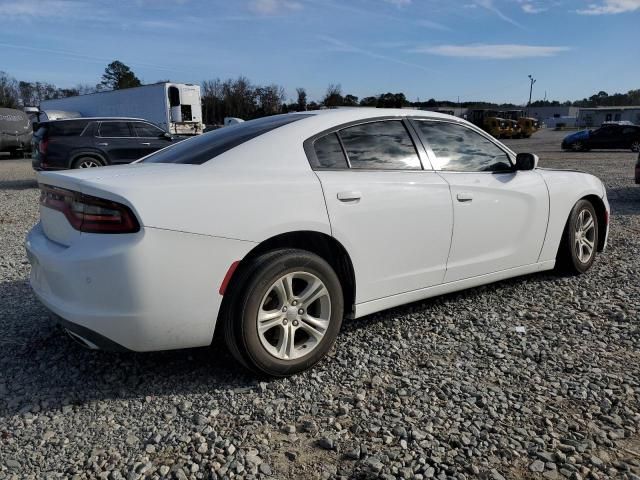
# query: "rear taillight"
{"type": "Point", "coordinates": [89, 214]}
{"type": "Point", "coordinates": [43, 145]}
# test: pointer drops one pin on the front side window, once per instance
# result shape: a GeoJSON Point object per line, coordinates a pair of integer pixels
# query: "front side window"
{"type": "Point", "coordinates": [147, 130]}
{"type": "Point", "coordinates": [382, 145]}
{"type": "Point", "coordinates": [329, 153]}
{"type": "Point", "coordinates": [114, 130]}
{"type": "Point", "coordinates": [460, 149]}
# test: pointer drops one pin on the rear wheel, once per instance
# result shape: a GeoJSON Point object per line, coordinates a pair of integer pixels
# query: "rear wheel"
{"type": "Point", "coordinates": [286, 314]}
{"type": "Point", "coordinates": [635, 146]}
{"type": "Point", "coordinates": [580, 240]}
{"type": "Point", "coordinates": [87, 162]}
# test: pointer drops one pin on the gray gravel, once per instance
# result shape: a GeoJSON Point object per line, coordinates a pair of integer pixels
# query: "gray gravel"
{"type": "Point", "coordinates": [445, 388]}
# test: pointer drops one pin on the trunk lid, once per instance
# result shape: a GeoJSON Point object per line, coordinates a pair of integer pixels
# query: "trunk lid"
{"type": "Point", "coordinates": [119, 184]}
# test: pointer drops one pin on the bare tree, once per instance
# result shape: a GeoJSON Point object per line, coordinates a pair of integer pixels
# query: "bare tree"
{"type": "Point", "coordinates": [333, 97]}
{"type": "Point", "coordinates": [270, 99]}
{"type": "Point", "coordinates": [239, 98]}
{"type": "Point", "coordinates": [9, 94]}
{"type": "Point", "coordinates": [213, 109]}
{"type": "Point", "coordinates": [302, 99]}
{"type": "Point", "coordinates": [85, 89]}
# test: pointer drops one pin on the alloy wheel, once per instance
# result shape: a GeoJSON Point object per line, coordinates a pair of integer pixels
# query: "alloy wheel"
{"type": "Point", "coordinates": [585, 234]}
{"type": "Point", "coordinates": [577, 146]}
{"type": "Point", "coordinates": [635, 146]}
{"type": "Point", "coordinates": [88, 164]}
{"type": "Point", "coordinates": [294, 315]}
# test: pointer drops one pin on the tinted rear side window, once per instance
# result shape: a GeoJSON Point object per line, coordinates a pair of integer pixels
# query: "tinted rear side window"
{"type": "Point", "coordinates": [203, 148]}
{"type": "Point", "coordinates": [380, 145]}
{"type": "Point", "coordinates": [66, 128]}
{"type": "Point", "coordinates": [329, 153]}
{"type": "Point", "coordinates": [114, 130]}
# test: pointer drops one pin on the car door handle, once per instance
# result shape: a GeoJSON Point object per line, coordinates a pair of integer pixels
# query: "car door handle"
{"type": "Point", "coordinates": [350, 196]}
{"type": "Point", "coordinates": [464, 197]}
{"type": "Point", "coordinates": [104, 144]}
{"type": "Point", "coordinates": [145, 143]}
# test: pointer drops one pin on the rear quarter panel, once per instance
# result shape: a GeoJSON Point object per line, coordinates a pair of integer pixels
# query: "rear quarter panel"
{"type": "Point", "coordinates": [565, 187]}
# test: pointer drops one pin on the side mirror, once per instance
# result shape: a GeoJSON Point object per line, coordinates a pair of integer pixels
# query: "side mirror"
{"type": "Point", "coordinates": [166, 136]}
{"type": "Point", "coordinates": [526, 161]}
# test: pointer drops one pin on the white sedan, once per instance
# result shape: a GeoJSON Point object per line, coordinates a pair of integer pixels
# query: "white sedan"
{"type": "Point", "coordinates": [275, 229]}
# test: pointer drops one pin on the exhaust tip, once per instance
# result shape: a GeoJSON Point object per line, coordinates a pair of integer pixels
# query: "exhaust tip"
{"type": "Point", "coordinates": [81, 340]}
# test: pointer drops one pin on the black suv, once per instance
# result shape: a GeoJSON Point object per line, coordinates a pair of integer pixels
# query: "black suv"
{"type": "Point", "coordinates": [95, 142]}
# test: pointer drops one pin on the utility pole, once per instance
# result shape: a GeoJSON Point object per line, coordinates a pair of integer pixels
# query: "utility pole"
{"type": "Point", "coordinates": [533, 80]}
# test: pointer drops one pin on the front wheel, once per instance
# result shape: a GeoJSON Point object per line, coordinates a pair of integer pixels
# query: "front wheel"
{"type": "Point", "coordinates": [635, 146]}
{"type": "Point", "coordinates": [287, 312]}
{"type": "Point", "coordinates": [580, 239]}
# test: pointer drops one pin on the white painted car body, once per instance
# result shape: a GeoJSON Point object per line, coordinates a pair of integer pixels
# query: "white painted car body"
{"type": "Point", "coordinates": [409, 235]}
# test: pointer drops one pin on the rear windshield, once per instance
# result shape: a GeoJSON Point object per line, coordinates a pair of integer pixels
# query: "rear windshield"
{"type": "Point", "coordinates": [65, 128]}
{"type": "Point", "coordinates": [204, 147]}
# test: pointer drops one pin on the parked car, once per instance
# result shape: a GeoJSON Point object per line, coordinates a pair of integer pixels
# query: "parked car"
{"type": "Point", "coordinates": [611, 135]}
{"type": "Point", "coordinates": [275, 229]}
{"type": "Point", "coordinates": [95, 142]}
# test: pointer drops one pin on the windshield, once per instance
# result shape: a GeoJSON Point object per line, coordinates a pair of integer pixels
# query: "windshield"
{"type": "Point", "coordinates": [203, 148]}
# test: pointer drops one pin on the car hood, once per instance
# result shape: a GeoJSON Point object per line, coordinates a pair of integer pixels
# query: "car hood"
{"type": "Point", "coordinates": [581, 135]}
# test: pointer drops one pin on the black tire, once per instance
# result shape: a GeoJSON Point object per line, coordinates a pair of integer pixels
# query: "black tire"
{"type": "Point", "coordinates": [578, 147]}
{"type": "Point", "coordinates": [635, 146]}
{"type": "Point", "coordinates": [568, 259]}
{"type": "Point", "coordinates": [240, 322]}
{"type": "Point", "coordinates": [79, 162]}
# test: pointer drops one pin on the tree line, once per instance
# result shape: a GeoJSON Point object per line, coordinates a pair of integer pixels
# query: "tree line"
{"type": "Point", "coordinates": [14, 94]}
{"type": "Point", "coordinates": [241, 98]}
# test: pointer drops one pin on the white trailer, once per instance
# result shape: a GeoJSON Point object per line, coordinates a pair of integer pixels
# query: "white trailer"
{"type": "Point", "coordinates": [174, 107]}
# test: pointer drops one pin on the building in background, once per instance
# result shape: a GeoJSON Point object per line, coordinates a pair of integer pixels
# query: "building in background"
{"type": "Point", "coordinates": [555, 111]}
{"type": "Point", "coordinates": [596, 116]}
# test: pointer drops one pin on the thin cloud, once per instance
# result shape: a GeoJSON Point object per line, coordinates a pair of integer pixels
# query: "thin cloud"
{"type": "Point", "coordinates": [340, 46]}
{"type": "Point", "coordinates": [483, 51]}
{"type": "Point", "coordinates": [83, 57]}
{"type": "Point", "coordinates": [490, 6]}
{"type": "Point", "coordinates": [382, 15]}
{"type": "Point", "coordinates": [611, 7]}
{"type": "Point", "coordinates": [531, 7]}
{"type": "Point", "coordinates": [274, 7]}
{"type": "Point", "coordinates": [399, 3]}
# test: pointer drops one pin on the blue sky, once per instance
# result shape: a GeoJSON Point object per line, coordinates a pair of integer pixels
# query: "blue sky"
{"type": "Point", "coordinates": [474, 49]}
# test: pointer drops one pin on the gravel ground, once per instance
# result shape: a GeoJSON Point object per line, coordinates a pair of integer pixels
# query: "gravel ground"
{"type": "Point", "coordinates": [445, 388]}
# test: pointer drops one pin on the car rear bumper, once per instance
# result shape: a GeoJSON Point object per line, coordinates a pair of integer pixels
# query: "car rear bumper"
{"type": "Point", "coordinates": [153, 290]}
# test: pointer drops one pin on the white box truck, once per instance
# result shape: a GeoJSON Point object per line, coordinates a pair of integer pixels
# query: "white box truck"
{"type": "Point", "coordinates": [174, 107]}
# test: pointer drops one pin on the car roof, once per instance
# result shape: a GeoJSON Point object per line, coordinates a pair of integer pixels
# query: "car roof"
{"type": "Point", "coordinates": [361, 113]}
{"type": "Point", "coordinates": [317, 121]}
{"type": "Point", "coordinates": [96, 119]}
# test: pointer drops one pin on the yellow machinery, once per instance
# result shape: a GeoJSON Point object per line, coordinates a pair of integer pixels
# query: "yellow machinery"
{"type": "Point", "coordinates": [489, 121]}
{"type": "Point", "coordinates": [513, 130]}
{"type": "Point", "coordinates": [528, 126]}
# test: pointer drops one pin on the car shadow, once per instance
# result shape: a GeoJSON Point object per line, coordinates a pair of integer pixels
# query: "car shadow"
{"type": "Point", "coordinates": [18, 184]}
{"type": "Point", "coordinates": [424, 306]}
{"type": "Point", "coordinates": [43, 369]}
